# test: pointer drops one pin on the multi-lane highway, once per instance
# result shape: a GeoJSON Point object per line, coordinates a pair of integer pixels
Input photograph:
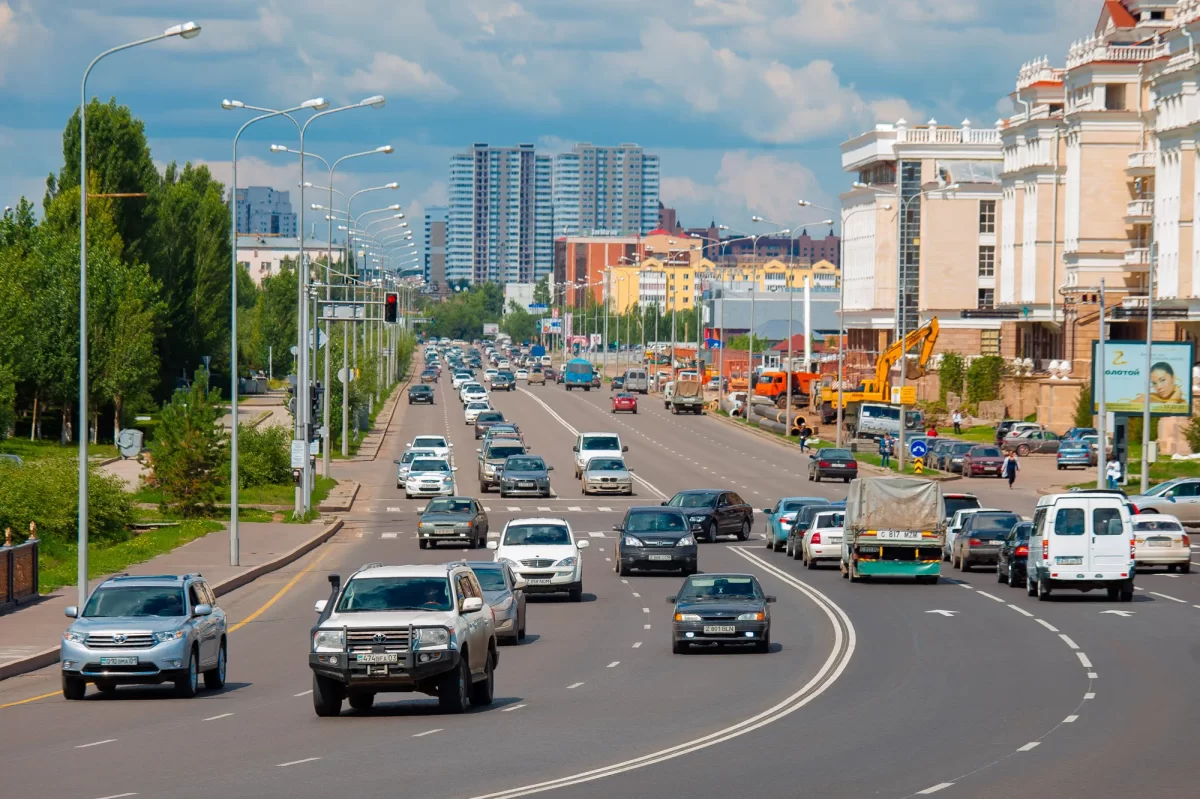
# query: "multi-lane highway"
{"type": "Point", "coordinates": [866, 692]}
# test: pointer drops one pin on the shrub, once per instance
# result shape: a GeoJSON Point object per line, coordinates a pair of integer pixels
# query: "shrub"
{"type": "Point", "coordinates": [983, 378]}
{"type": "Point", "coordinates": [189, 450]}
{"type": "Point", "coordinates": [1192, 433]}
{"type": "Point", "coordinates": [264, 456]}
{"type": "Point", "coordinates": [1083, 406]}
{"type": "Point", "coordinates": [46, 491]}
{"type": "Point", "coordinates": [950, 374]}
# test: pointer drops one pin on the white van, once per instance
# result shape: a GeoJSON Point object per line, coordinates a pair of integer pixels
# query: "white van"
{"type": "Point", "coordinates": [1081, 540]}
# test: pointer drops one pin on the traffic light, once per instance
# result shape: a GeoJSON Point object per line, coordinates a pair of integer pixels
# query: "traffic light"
{"type": "Point", "coordinates": [318, 392]}
{"type": "Point", "coordinates": [390, 306]}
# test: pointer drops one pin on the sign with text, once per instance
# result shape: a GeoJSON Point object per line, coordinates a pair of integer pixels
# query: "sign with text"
{"type": "Point", "coordinates": [904, 395]}
{"type": "Point", "coordinates": [297, 454]}
{"type": "Point", "coordinates": [1126, 384]}
{"type": "Point", "coordinates": [552, 326]}
{"type": "Point", "coordinates": [491, 329]}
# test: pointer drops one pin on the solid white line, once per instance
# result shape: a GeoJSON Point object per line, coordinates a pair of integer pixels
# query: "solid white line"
{"type": "Point", "coordinates": [645, 610]}
{"type": "Point", "coordinates": [1028, 746]}
{"type": "Point", "coordinates": [614, 664]}
{"type": "Point", "coordinates": [303, 693]}
{"type": "Point", "coordinates": [428, 732]}
{"type": "Point", "coordinates": [574, 685]}
{"type": "Point", "coordinates": [1069, 719]}
{"type": "Point", "coordinates": [97, 743]}
{"type": "Point", "coordinates": [296, 762]}
{"type": "Point", "coordinates": [511, 709]}
{"type": "Point", "coordinates": [990, 596]}
{"type": "Point", "coordinates": [1047, 625]}
{"type": "Point", "coordinates": [222, 716]}
{"type": "Point", "coordinates": [1165, 596]}
{"type": "Point", "coordinates": [1021, 610]}
{"type": "Point", "coordinates": [637, 645]}
{"type": "Point", "coordinates": [1068, 641]}
{"type": "Point", "coordinates": [645, 626]}
{"type": "Point", "coordinates": [935, 788]}
{"type": "Point", "coordinates": [1093, 675]}
{"type": "Point", "coordinates": [1083, 659]}
{"type": "Point", "coordinates": [118, 796]}
{"type": "Point", "coordinates": [1089, 696]}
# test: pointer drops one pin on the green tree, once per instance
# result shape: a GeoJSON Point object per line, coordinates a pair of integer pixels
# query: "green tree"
{"type": "Point", "coordinates": [983, 378]}
{"type": "Point", "coordinates": [950, 374]}
{"type": "Point", "coordinates": [189, 449]}
{"type": "Point", "coordinates": [272, 330]}
{"type": "Point", "coordinates": [519, 323]}
{"type": "Point", "coordinates": [541, 291]}
{"type": "Point", "coordinates": [741, 342]}
{"type": "Point", "coordinates": [1083, 406]}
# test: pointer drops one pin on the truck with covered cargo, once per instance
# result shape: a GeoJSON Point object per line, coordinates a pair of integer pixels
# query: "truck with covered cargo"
{"type": "Point", "coordinates": [684, 396]}
{"type": "Point", "coordinates": [894, 527]}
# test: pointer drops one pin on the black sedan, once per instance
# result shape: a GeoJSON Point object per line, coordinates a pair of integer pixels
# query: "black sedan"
{"type": "Point", "coordinates": [836, 464]}
{"type": "Point", "coordinates": [654, 539]}
{"type": "Point", "coordinates": [485, 420]}
{"type": "Point", "coordinates": [721, 609]}
{"type": "Point", "coordinates": [504, 381]}
{"type": "Point", "coordinates": [978, 542]}
{"type": "Point", "coordinates": [712, 513]}
{"type": "Point", "coordinates": [420, 393]}
{"type": "Point", "coordinates": [1013, 555]}
{"type": "Point", "coordinates": [429, 376]}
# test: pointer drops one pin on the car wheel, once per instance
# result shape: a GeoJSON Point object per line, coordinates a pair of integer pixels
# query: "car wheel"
{"type": "Point", "coordinates": [798, 550]}
{"type": "Point", "coordinates": [744, 533]}
{"type": "Point", "coordinates": [816, 476]}
{"type": "Point", "coordinates": [1043, 589]}
{"type": "Point", "coordinates": [1012, 576]}
{"type": "Point", "coordinates": [187, 685]}
{"type": "Point", "coordinates": [1127, 594]}
{"type": "Point", "coordinates": [453, 688]}
{"type": "Point", "coordinates": [680, 647]}
{"type": "Point", "coordinates": [1023, 450]}
{"type": "Point", "coordinates": [1000, 575]}
{"type": "Point", "coordinates": [1185, 568]}
{"type": "Point", "coordinates": [1030, 588]}
{"type": "Point", "coordinates": [763, 646]}
{"type": "Point", "coordinates": [106, 687]}
{"type": "Point", "coordinates": [214, 679]}
{"type": "Point", "coordinates": [361, 700]}
{"type": "Point", "coordinates": [772, 544]}
{"type": "Point", "coordinates": [811, 563]}
{"type": "Point", "coordinates": [483, 691]}
{"type": "Point", "coordinates": [576, 594]}
{"type": "Point", "coordinates": [483, 487]}
{"type": "Point", "coordinates": [407, 495]}
{"type": "Point", "coordinates": [635, 411]}
{"type": "Point", "coordinates": [964, 565]}
{"type": "Point", "coordinates": [73, 687]}
{"type": "Point", "coordinates": [423, 544]}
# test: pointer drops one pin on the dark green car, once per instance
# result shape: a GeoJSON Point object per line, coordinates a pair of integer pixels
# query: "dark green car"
{"type": "Point", "coordinates": [458, 520]}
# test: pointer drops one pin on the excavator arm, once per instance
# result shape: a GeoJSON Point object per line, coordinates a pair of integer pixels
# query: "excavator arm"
{"type": "Point", "coordinates": [924, 336]}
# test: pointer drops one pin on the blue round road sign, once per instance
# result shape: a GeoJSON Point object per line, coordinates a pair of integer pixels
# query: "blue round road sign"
{"type": "Point", "coordinates": [918, 448]}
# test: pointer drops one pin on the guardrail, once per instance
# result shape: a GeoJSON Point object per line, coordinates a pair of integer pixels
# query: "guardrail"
{"type": "Point", "coordinates": [18, 575]}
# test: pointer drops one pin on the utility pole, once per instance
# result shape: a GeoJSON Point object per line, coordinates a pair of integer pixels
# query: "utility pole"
{"type": "Point", "coordinates": [1098, 365]}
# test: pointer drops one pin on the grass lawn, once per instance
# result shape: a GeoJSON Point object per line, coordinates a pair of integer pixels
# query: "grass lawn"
{"type": "Point", "coordinates": [42, 448]}
{"type": "Point", "coordinates": [352, 448]}
{"type": "Point", "coordinates": [57, 561]}
{"type": "Point", "coordinates": [258, 495]}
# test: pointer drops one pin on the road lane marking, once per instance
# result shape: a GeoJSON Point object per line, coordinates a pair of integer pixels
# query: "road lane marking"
{"type": "Point", "coordinates": [279, 594]}
{"type": "Point", "coordinates": [296, 762]}
{"type": "Point", "coordinates": [487, 508]}
{"type": "Point", "coordinates": [604, 509]}
{"type": "Point", "coordinates": [1165, 596]}
{"type": "Point", "coordinates": [935, 788]}
{"type": "Point", "coordinates": [97, 743]}
{"type": "Point", "coordinates": [543, 508]}
{"type": "Point", "coordinates": [608, 560]}
{"type": "Point", "coordinates": [428, 732]}
{"type": "Point", "coordinates": [222, 716]}
{"type": "Point", "coordinates": [1021, 610]}
{"type": "Point", "coordinates": [1047, 625]}
{"type": "Point", "coordinates": [614, 664]}
{"type": "Point", "coordinates": [393, 510]}
{"type": "Point", "coordinates": [31, 699]}
{"type": "Point", "coordinates": [1028, 746]}
{"type": "Point", "coordinates": [990, 596]}
{"type": "Point", "coordinates": [573, 686]}
{"type": "Point", "coordinates": [118, 796]}
{"type": "Point", "coordinates": [303, 693]}
{"type": "Point", "coordinates": [637, 645]}
{"type": "Point", "coordinates": [389, 535]}
{"type": "Point", "coordinates": [1089, 696]}
{"type": "Point", "coordinates": [1069, 719]}
{"type": "Point", "coordinates": [596, 535]}
{"type": "Point", "coordinates": [1083, 659]}
{"type": "Point", "coordinates": [1068, 641]}
{"type": "Point", "coordinates": [574, 508]}
{"type": "Point", "coordinates": [964, 585]}
{"type": "Point", "coordinates": [1093, 675]}
{"type": "Point", "coordinates": [511, 709]}
{"type": "Point", "coordinates": [645, 610]}
{"type": "Point", "coordinates": [645, 626]}
{"type": "Point", "coordinates": [514, 508]}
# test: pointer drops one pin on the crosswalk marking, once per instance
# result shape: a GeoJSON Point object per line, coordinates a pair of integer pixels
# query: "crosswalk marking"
{"type": "Point", "coordinates": [514, 507]}
{"type": "Point", "coordinates": [596, 535]}
{"type": "Point", "coordinates": [604, 510]}
{"type": "Point", "coordinates": [389, 535]}
{"type": "Point", "coordinates": [574, 507]}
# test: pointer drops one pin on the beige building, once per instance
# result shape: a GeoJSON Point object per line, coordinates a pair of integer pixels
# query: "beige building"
{"type": "Point", "coordinates": [933, 251]}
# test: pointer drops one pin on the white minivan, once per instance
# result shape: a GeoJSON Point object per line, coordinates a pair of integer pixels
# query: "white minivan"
{"type": "Point", "coordinates": [1082, 540]}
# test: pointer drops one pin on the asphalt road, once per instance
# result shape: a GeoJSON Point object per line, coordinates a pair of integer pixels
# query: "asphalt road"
{"type": "Point", "coordinates": [866, 692]}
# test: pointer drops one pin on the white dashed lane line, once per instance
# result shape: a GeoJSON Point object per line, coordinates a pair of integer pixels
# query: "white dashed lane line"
{"type": "Point", "coordinates": [573, 686]}
{"type": "Point", "coordinates": [427, 732]}
{"type": "Point", "coordinates": [222, 716]}
{"type": "Point", "coordinates": [935, 788]}
{"type": "Point", "coordinates": [1028, 746]}
{"type": "Point", "coordinates": [1047, 625]}
{"type": "Point", "coordinates": [296, 762]}
{"type": "Point", "coordinates": [97, 743]}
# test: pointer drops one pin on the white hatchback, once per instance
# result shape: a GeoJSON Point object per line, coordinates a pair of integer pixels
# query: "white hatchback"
{"type": "Point", "coordinates": [545, 553]}
{"type": "Point", "coordinates": [474, 409]}
{"type": "Point", "coordinates": [823, 540]}
{"type": "Point", "coordinates": [1160, 540]}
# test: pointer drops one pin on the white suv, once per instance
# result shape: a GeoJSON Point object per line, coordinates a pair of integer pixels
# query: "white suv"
{"type": "Point", "coordinates": [545, 553]}
{"type": "Point", "coordinates": [400, 629]}
{"type": "Point", "coordinates": [596, 445]}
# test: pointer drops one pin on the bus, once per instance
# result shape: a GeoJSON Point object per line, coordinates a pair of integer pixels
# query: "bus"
{"type": "Point", "coordinates": [578, 374]}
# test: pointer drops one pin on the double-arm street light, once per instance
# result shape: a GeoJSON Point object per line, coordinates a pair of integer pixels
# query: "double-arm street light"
{"type": "Point", "coordinates": [187, 30]}
{"type": "Point", "coordinates": [753, 288]}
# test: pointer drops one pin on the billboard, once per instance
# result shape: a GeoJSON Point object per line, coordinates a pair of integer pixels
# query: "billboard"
{"type": "Point", "coordinates": [568, 324]}
{"type": "Point", "coordinates": [551, 326]}
{"type": "Point", "coordinates": [1126, 384]}
{"type": "Point", "coordinates": [491, 329]}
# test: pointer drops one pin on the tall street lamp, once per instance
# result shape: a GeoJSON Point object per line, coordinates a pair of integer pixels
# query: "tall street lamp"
{"type": "Point", "coordinates": [188, 30]}
{"type": "Point", "coordinates": [753, 290]}
{"type": "Point", "coordinates": [316, 103]}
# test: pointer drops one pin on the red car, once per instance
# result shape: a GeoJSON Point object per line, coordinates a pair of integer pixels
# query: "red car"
{"type": "Point", "coordinates": [624, 402]}
{"type": "Point", "coordinates": [983, 461]}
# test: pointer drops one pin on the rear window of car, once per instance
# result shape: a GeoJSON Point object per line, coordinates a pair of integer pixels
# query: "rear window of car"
{"type": "Point", "coordinates": [986, 452]}
{"type": "Point", "coordinates": [429, 443]}
{"type": "Point", "coordinates": [490, 416]}
{"type": "Point", "coordinates": [991, 525]}
{"type": "Point", "coordinates": [502, 451]}
{"type": "Point", "coordinates": [955, 504]}
{"type": "Point", "coordinates": [837, 455]}
{"type": "Point", "coordinates": [1158, 527]}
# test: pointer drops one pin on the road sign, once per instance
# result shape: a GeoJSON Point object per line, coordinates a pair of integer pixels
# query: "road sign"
{"type": "Point", "coordinates": [554, 313]}
{"type": "Point", "coordinates": [535, 307]}
{"type": "Point", "coordinates": [297, 454]}
{"type": "Point", "coordinates": [345, 375]}
{"type": "Point", "coordinates": [293, 349]}
{"type": "Point", "coordinates": [918, 466]}
{"type": "Point", "coordinates": [321, 339]}
{"type": "Point", "coordinates": [947, 613]}
{"type": "Point", "coordinates": [918, 448]}
{"type": "Point", "coordinates": [904, 395]}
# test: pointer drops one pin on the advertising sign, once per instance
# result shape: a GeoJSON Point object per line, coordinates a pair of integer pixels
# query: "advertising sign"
{"type": "Point", "coordinates": [1169, 382]}
{"type": "Point", "coordinates": [551, 326]}
{"type": "Point", "coordinates": [568, 326]}
{"type": "Point", "coordinates": [597, 340]}
{"type": "Point", "coordinates": [491, 329]}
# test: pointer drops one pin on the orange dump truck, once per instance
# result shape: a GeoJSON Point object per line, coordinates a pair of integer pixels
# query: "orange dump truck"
{"type": "Point", "coordinates": [774, 385]}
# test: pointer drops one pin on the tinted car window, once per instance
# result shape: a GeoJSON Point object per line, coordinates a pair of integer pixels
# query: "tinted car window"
{"type": "Point", "coordinates": [504, 450]}
{"type": "Point", "coordinates": [490, 579]}
{"type": "Point", "coordinates": [656, 521]}
{"type": "Point", "coordinates": [1107, 521]}
{"type": "Point", "coordinates": [991, 525]}
{"type": "Point", "coordinates": [694, 500]}
{"type": "Point", "coordinates": [601, 443]}
{"type": "Point", "coordinates": [837, 455]}
{"type": "Point", "coordinates": [490, 416]}
{"type": "Point", "coordinates": [449, 505]}
{"type": "Point", "coordinates": [524, 464]}
{"type": "Point", "coordinates": [135, 601]}
{"type": "Point", "coordinates": [1158, 527]}
{"type": "Point", "coordinates": [1068, 521]}
{"type": "Point", "coordinates": [430, 465]}
{"type": "Point", "coordinates": [955, 504]}
{"type": "Point", "coordinates": [1021, 531]}
{"type": "Point", "coordinates": [717, 587]}
{"type": "Point", "coordinates": [395, 593]}
{"type": "Point", "coordinates": [986, 452]}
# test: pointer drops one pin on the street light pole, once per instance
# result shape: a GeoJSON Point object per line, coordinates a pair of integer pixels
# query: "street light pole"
{"type": "Point", "coordinates": [187, 30]}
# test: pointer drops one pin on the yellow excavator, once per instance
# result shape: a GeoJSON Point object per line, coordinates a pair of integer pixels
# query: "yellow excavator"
{"type": "Point", "coordinates": [879, 388]}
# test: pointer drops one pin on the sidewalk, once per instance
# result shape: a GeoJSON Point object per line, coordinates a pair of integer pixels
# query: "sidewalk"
{"type": "Point", "coordinates": [373, 440]}
{"type": "Point", "coordinates": [29, 637]}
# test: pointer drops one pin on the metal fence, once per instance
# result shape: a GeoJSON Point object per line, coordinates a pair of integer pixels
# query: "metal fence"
{"type": "Point", "coordinates": [18, 575]}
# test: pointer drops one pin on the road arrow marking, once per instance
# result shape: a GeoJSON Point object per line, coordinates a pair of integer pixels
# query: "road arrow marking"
{"type": "Point", "coordinates": [949, 613]}
{"type": "Point", "coordinates": [1124, 614]}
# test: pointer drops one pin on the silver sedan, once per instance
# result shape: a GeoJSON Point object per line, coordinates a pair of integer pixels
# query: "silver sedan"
{"type": "Point", "coordinates": [607, 476]}
{"type": "Point", "coordinates": [504, 592]}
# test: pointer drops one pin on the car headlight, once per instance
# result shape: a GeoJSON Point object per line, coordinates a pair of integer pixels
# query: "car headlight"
{"type": "Point", "coordinates": [571, 561]}
{"type": "Point", "coordinates": [695, 518]}
{"type": "Point", "coordinates": [448, 478]}
{"type": "Point", "coordinates": [169, 635]}
{"type": "Point", "coordinates": [686, 541]}
{"type": "Point", "coordinates": [425, 525]}
{"type": "Point", "coordinates": [512, 564]}
{"type": "Point", "coordinates": [433, 636]}
{"type": "Point", "coordinates": [687, 617]}
{"type": "Point", "coordinates": [630, 541]}
{"type": "Point", "coordinates": [489, 469]}
{"type": "Point", "coordinates": [329, 640]}
{"type": "Point", "coordinates": [74, 637]}
{"type": "Point", "coordinates": [751, 617]}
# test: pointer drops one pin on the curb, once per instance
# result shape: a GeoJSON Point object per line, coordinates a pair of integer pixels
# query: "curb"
{"type": "Point", "coordinates": [48, 657]}
{"type": "Point", "coordinates": [341, 503]}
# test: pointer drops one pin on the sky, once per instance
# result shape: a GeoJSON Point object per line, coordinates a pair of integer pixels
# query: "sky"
{"type": "Point", "coordinates": [745, 101]}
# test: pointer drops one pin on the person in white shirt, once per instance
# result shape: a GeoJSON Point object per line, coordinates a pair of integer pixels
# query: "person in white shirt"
{"type": "Point", "coordinates": [1113, 471]}
{"type": "Point", "coordinates": [958, 420]}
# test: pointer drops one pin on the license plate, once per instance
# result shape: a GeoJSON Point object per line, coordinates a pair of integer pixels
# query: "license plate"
{"type": "Point", "coordinates": [717, 629]}
{"type": "Point", "coordinates": [835, 540]}
{"type": "Point", "coordinates": [537, 580]}
{"type": "Point", "coordinates": [898, 535]}
{"type": "Point", "coordinates": [1069, 561]}
{"type": "Point", "coordinates": [524, 485]}
{"type": "Point", "coordinates": [1154, 543]}
{"type": "Point", "coordinates": [378, 657]}
{"type": "Point", "coordinates": [660, 557]}
{"type": "Point", "coordinates": [125, 661]}
{"type": "Point", "coordinates": [990, 468]}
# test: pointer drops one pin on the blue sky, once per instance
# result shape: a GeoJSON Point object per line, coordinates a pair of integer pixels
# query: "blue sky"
{"type": "Point", "coordinates": [745, 101]}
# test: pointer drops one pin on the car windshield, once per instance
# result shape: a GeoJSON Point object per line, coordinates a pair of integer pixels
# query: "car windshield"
{"type": "Point", "coordinates": [430, 465]}
{"type": "Point", "coordinates": [1156, 526]}
{"type": "Point", "coordinates": [502, 452]}
{"type": "Point", "coordinates": [142, 600]}
{"type": "Point", "coordinates": [960, 449]}
{"type": "Point", "coordinates": [412, 453]}
{"type": "Point", "coordinates": [992, 525]}
{"type": "Point", "coordinates": [477, 406]}
{"type": "Point", "coordinates": [491, 416]}
{"type": "Point", "coordinates": [837, 455]}
{"type": "Point", "coordinates": [421, 389]}
{"type": "Point", "coordinates": [490, 579]}
{"type": "Point", "coordinates": [449, 505]}
{"type": "Point", "coordinates": [537, 534]}
{"type": "Point", "coordinates": [463, 375]}
{"type": "Point", "coordinates": [879, 412]}
{"type": "Point", "coordinates": [955, 504]}
{"type": "Point", "coordinates": [606, 465]}
{"type": "Point", "coordinates": [395, 593]}
{"type": "Point", "coordinates": [599, 443]}
{"type": "Point", "coordinates": [712, 587]}
{"type": "Point", "coordinates": [429, 443]}
{"type": "Point", "coordinates": [796, 505]}
{"type": "Point", "coordinates": [656, 521]}
{"type": "Point", "coordinates": [986, 452]}
{"type": "Point", "coordinates": [708, 500]}
{"type": "Point", "coordinates": [524, 465]}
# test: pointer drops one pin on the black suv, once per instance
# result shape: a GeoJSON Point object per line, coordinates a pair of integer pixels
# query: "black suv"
{"type": "Point", "coordinates": [712, 512]}
{"type": "Point", "coordinates": [655, 538]}
{"type": "Point", "coordinates": [420, 393]}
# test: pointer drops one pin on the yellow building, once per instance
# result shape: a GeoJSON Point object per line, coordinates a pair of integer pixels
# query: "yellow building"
{"type": "Point", "coordinates": [775, 275]}
{"type": "Point", "coordinates": [670, 285]}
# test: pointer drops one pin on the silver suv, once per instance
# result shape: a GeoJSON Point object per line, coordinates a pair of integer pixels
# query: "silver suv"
{"type": "Point", "coordinates": [401, 629]}
{"type": "Point", "coordinates": [146, 630]}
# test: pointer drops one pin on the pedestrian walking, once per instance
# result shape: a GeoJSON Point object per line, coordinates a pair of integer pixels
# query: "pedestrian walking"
{"type": "Point", "coordinates": [1011, 467]}
{"type": "Point", "coordinates": [805, 433]}
{"type": "Point", "coordinates": [1113, 471]}
{"type": "Point", "coordinates": [885, 451]}
{"type": "Point", "coordinates": [958, 420]}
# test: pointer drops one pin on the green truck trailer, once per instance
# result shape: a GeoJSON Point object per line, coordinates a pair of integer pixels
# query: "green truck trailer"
{"type": "Point", "coordinates": [894, 527]}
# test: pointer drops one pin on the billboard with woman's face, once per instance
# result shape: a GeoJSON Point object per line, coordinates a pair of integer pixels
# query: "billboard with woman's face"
{"type": "Point", "coordinates": [1126, 381]}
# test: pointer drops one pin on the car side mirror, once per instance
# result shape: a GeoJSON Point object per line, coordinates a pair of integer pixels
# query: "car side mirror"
{"type": "Point", "coordinates": [671, 600]}
{"type": "Point", "coordinates": [472, 604]}
{"type": "Point", "coordinates": [618, 528]}
{"type": "Point", "coordinates": [71, 612]}
{"type": "Point", "coordinates": [629, 470]}
{"type": "Point", "coordinates": [320, 605]}
{"type": "Point", "coordinates": [625, 448]}
{"type": "Point", "coordinates": [771, 599]}
{"type": "Point", "coordinates": [583, 544]}
{"type": "Point", "coordinates": [662, 503]}
{"type": "Point", "coordinates": [549, 468]}
{"type": "Point", "coordinates": [493, 545]}
{"type": "Point", "coordinates": [519, 584]}
{"type": "Point", "coordinates": [454, 468]}
{"type": "Point", "coordinates": [335, 582]}
{"type": "Point", "coordinates": [767, 511]}
{"type": "Point", "coordinates": [398, 463]}
{"type": "Point", "coordinates": [575, 448]}
{"type": "Point", "coordinates": [480, 451]}
{"type": "Point", "coordinates": [202, 610]}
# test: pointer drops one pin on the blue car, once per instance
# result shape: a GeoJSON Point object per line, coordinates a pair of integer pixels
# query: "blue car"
{"type": "Point", "coordinates": [1073, 452]}
{"type": "Point", "coordinates": [780, 518]}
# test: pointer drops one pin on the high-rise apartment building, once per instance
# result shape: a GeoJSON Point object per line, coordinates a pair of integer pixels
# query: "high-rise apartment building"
{"type": "Point", "coordinates": [262, 210]}
{"type": "Point", "coordinates": [435, 245]}
{"type": "Point", "coordinates": [500, 221]}
{"type": "Point", "coordinates": [606, 191]}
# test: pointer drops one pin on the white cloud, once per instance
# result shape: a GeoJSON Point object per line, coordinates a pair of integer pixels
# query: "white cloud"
{"type": "Point", "coordinates": [725, 12]}
{"type": "Point", "coordinates": [399, 76]}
